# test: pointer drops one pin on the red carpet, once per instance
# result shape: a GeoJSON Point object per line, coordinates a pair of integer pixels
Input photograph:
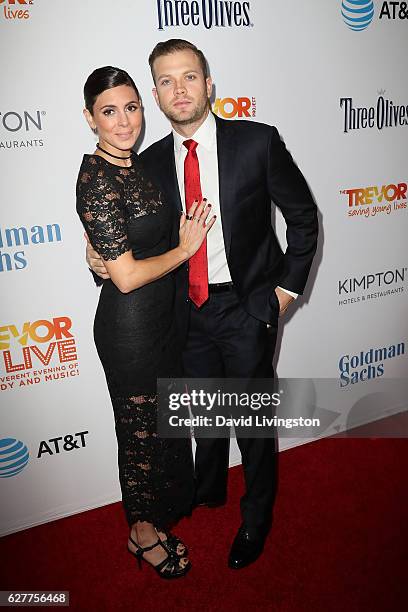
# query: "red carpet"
{"type": "Point", "coordinates": [338, 543]}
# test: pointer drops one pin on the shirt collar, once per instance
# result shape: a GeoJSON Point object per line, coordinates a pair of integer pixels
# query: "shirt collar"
{"type": "Point", "coordinates": [205, 135]}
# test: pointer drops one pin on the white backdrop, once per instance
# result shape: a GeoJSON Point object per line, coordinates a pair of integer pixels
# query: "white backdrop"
{"type": "Point", "coordinates": [293, 64]}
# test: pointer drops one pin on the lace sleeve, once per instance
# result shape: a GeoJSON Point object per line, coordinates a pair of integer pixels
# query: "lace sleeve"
{"type": "Point", "coordinates": [99, 208]}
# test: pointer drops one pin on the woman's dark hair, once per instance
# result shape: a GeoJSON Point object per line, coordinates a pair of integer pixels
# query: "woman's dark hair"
{"type": "Point", "coordinates": [102, 79]}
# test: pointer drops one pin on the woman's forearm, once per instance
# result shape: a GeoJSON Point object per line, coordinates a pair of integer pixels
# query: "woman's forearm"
{"type": "Point", "coordinates": [128, 273]}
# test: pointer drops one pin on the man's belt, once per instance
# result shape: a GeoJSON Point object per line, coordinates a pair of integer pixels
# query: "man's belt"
{"type": "Point", "coordinates": [220, 287]}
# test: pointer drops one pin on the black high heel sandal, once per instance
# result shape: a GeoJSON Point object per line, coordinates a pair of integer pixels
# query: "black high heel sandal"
{"type": "Point", "coordinates": [172, 543]}
{"type": "Point", "coordinates": [169, 568]}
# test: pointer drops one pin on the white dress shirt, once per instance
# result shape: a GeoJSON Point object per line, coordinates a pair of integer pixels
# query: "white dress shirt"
{"type": "Point", "coordinates": [206, 137]}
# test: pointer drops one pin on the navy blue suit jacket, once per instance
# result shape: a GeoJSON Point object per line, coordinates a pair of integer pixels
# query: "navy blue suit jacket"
{"type": "Point", "coordinates": [254, 168]}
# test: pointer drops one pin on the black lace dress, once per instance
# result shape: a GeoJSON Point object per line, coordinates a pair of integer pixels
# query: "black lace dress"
{"type": "Point", "coordinates": [121, 209]}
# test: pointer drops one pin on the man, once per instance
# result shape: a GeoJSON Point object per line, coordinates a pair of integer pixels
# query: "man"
{"type": "Point", "coordinates": [230, 295]}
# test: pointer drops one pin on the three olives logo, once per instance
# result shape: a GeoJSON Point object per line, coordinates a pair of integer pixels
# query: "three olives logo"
{"type": "Point", "coordinates": [207, 13]}
{"type": "Point", "coordinates": [357, 14]}
{"type": "Point", "coordinates": [14, 456]}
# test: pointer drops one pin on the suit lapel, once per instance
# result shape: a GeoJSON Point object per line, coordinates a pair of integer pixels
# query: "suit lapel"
{"type": "Point", "coordinates": [226, 153]}
{"type": "Point", "coordinates": [167, 172]}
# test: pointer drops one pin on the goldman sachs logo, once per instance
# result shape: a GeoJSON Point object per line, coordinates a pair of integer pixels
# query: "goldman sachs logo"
{"type": "Point", "coordinates": [209, 13]}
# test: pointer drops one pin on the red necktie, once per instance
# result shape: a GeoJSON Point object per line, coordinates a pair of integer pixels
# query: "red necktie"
{"type": "Point", "coordinates": [198, 266]}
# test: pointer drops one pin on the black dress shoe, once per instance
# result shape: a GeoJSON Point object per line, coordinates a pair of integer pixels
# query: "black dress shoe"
{"type": "Point", "coordinates": [210, 504]}
{"type": "Point", "coordinates": [246, 548]}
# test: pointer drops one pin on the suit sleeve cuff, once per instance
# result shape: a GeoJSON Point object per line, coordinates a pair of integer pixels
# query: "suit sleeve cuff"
{"type": "Point", "coordinates": [294, 295]}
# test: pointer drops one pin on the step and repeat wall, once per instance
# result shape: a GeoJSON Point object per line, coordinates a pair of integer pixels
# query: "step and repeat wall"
{"type": "Point", "coordinates": [331, 76]}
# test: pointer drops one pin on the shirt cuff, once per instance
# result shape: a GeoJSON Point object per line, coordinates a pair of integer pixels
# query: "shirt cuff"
{"type": "Point", "coordinates": [294, 295]}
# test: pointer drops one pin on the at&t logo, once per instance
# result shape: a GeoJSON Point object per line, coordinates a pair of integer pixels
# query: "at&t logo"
{"type": "Point", "coordinates": [14, 454]}
{"type": "Point", "coordinates": [16, 9]}
{"type": "Point", "coordinates": [394, 10]}
{"type": "Point", "coordinates": [69, 442]}
{"type": "Point", "coordinates": [357, 14]}
{"type": "Point", "coordinates": [229, 108]}
{"type": "Point", "coordinates": [14, 457]}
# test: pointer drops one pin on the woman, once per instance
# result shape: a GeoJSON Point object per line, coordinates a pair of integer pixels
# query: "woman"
{"type": "Point", "coordinates": [129, 224]}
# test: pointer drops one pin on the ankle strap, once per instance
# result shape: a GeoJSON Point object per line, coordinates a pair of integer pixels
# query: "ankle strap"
{"type": "Point", "coordinates": [140, 550]}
